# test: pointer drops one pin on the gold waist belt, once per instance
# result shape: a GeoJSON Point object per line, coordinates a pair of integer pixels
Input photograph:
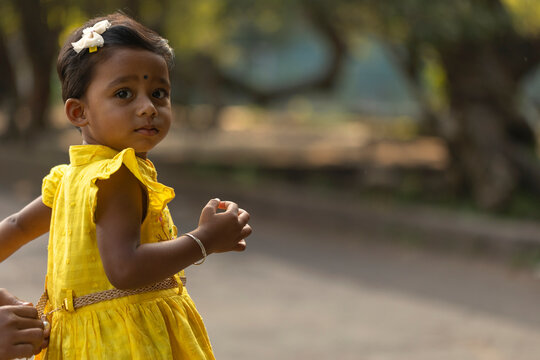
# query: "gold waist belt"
{"type": "Point", "coordinates": [72, 303]}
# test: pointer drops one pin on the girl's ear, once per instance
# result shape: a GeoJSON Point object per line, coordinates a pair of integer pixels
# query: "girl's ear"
{"type": "Point", "coordinates": [74, 109]}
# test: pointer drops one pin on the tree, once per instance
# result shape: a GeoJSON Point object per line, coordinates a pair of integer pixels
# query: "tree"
{"type": "Point", "coordinates": [234, 27]}
{"type": "Point", "coordinates": [482, 48]}
{"type": "Point", "coordinates": [41, 42]}
{"type": "Point", "coordinates": [483, 57]}
{"type": "Point", "coordinates": [8, 87]}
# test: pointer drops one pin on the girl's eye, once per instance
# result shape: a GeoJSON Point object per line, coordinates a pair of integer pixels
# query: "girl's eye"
{"type": "Point", "coordinates": [123, 94]}
{"type": "Point", "coordinates": [160, 93]}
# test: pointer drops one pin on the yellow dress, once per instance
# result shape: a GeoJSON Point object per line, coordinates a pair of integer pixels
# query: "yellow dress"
{"type": "Point", "coordinates": [156, 325]}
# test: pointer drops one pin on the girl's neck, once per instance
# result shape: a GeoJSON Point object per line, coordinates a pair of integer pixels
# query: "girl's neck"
{"type": "Point", "coordinates": [140, 155]}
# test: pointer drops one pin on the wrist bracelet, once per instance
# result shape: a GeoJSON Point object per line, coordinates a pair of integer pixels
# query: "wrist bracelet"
{"type": "Point", "coordinates": [203, 250]}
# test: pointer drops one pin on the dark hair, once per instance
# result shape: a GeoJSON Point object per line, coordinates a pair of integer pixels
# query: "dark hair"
{"type": "Point", "coordinates": [76, 69]}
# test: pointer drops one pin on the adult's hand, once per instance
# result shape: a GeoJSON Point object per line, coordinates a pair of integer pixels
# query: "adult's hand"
{"type": "Point", "coordinates": [21, 332]}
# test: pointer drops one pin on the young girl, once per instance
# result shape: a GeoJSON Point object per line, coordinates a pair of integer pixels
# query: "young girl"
{"type": "Point", "coordinates": [113, 284]}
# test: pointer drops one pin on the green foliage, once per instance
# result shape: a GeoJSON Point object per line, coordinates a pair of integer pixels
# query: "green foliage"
{"type": "Point", "coordinates": [437, 21]}
{"type": "Point", "coordinates": [224, 29]}
{"type": "Point", "coordinates": [9, 18]}
{"type": "Point", "coordinates": [197, 26]}
{"type": "Point", "coordinates": [434, 80]}
{"type": "Point", "coordinates": [71, 18]}
{"type": "Point", "coordinates": [525, 15]}
{"type": "Point", "coordinates": [430, 21]}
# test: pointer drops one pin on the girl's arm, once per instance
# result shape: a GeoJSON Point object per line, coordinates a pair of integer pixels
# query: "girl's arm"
{"type": "Point", "coordinates": [130, 264]}
{"type": "Point", "coordinates": [26, 225]}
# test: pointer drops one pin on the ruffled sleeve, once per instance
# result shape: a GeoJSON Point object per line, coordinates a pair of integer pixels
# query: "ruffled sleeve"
{"type": "Point", "coordinates": [50, 184]}
{"type": "Point", "coordinates": [158, 194]}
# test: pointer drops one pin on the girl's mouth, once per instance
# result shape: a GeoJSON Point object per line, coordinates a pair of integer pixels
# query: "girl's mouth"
{"type": "Point", "coordinates": [148, 131]}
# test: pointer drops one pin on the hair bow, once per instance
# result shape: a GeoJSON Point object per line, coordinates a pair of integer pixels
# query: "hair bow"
{"type": "Point", "coordinates": [91, 37]}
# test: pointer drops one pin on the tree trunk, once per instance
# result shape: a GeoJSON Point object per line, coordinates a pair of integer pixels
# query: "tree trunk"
{"type": "Point", "coordinates": [41, 43]}
{"type": "Point", "coordinates": [8, 91]}
{"type": "Point", "coordinates": [407, 60]}
{"type": "Point", "coordinates": [40, 94]}
{"type": "Point", "coordinates": [489, 128]}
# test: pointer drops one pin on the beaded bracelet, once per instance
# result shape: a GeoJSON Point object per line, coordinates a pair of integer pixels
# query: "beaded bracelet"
{"type": "Point", "coordinates": [203, 250]}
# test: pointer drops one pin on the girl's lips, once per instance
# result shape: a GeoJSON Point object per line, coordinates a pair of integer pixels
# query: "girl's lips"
{"type": "Point", "coordinates": [147, 131]}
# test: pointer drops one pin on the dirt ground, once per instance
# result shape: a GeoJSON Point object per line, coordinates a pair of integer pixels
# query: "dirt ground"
{"type": "Point", "coordinates": [324, 278]}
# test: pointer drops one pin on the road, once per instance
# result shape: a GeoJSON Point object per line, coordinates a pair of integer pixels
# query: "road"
{"type": "Point", "coordinates": [315, 288]}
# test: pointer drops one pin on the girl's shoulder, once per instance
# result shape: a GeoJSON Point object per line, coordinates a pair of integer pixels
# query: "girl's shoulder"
{"type": "Point", "coordinates": [99, 163]}
{"type": "Point", "coordinates": [57, 171]}
{"type": "Point", "coordinates": [51, 182]}
{"type": "Point", "coordinates": [92, 163]}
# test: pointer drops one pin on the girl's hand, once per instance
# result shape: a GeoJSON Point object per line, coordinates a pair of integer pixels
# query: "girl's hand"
{"type": "Point", "coordinates": [223, 231]}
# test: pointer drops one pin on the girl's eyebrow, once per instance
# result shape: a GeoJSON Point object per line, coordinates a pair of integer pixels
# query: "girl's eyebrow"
{"type": "Point", "coordinates": [122, 79]}
{"type": "Point", "coordinates": [127, 78]}
{"type": "Point", "coordinates": [163, 81]}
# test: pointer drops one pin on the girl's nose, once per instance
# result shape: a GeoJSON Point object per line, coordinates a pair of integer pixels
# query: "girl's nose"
{"type": "Point", "coordinates": [147, 108]}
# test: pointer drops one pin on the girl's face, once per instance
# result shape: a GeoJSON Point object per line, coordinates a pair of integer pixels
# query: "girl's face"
{"type": "Point", "coordinates": [127, 103]}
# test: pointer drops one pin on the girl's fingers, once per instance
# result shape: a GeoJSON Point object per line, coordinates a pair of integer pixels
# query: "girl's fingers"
{"type": "Point", "coordinates": [246, 231]}
{"type": "Point", "coordinates": [229, 206]}
{"type": "Point", "coordinates": [243, 217]}
{"type": "Point", "coordinates": [213, 204]}
{"type": "Point", "coordinates": [241, 246]}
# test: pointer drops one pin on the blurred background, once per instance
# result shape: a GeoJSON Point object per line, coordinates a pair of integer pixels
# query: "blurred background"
{"type": "Point", "coordinates": [387, 151]}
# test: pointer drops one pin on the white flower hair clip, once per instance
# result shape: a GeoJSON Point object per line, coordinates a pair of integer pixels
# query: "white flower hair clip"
{"type": "Point", "coordinates": [91, 37]}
